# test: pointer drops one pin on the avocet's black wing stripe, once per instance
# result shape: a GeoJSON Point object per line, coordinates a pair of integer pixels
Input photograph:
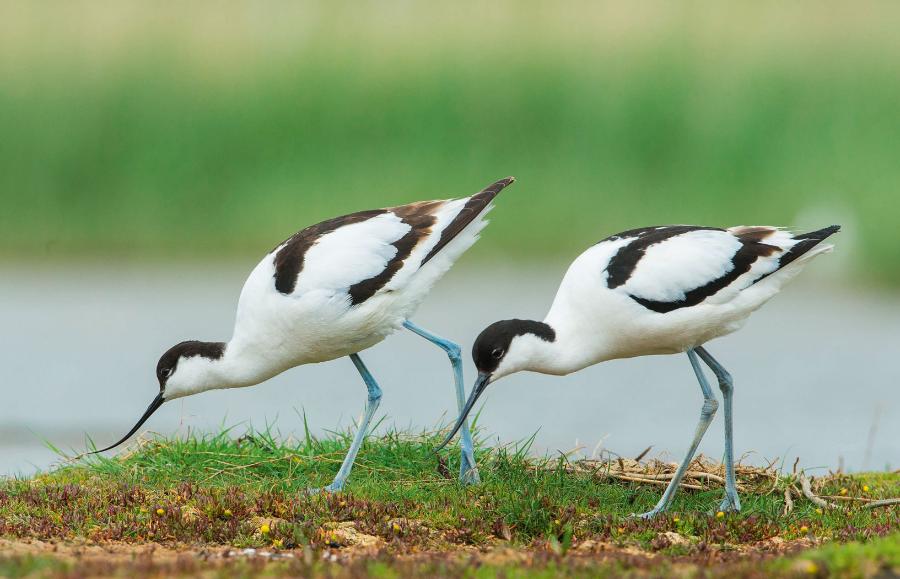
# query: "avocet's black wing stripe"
{"type": "Point", "coordinates": [364, 253]}
{"type": "Point", "coordinates": [669, 268]}
{"type": "Point", "coordinates": [474, 206]}
{"type": "Point", "coordinates": [421, 218]}
{"type": "Point", "coordinates": [741, 262]}
{"type": "Point", "coordinates": [624, 262]}
{"type": "Point", "coordinates": [291, 254]}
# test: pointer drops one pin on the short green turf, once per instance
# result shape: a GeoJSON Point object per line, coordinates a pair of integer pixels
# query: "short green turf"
{"type": "Point", "coordinates": [210, 488]}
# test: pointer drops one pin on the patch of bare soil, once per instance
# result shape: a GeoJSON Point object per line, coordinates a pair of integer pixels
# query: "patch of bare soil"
{"type": "Point", "coordinates": [346, 543]}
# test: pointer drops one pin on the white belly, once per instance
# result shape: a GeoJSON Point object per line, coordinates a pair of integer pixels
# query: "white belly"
{"type": "Point", "coordinates": [615, 326]}
{"type": "Point", "coordinates": [316, 328]}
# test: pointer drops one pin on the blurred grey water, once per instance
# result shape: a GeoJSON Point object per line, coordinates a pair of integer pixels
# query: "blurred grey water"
{"type": "Point", "coordinates": [816, 370]}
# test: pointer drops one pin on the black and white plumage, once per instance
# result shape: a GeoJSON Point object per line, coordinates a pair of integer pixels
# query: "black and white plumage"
{"type": "Point", "coordinates": [342, 285]}
{"type": "Point", "coordinates": [673, 267]}
{"type": "Point", "coordinates": [664, 290]}
{"type": "Point", "coordinates": [656, 290]}
{"type": "Point", "coordinates": [334, 289]}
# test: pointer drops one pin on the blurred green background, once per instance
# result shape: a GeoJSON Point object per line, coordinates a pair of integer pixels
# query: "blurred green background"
{"type": "Point", "coordinates": [162, 130]}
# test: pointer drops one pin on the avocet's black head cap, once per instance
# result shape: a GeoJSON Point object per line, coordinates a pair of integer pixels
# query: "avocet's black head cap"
{"type": "Point", "coordinates": [168, 362]}
{"type": "Point", "coordinates": [493, 342]}
{"type": "Point", "coordinates": [488, 352]}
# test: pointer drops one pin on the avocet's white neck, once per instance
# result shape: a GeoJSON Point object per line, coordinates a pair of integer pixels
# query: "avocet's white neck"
{"type": "Point", "coordinates": [532, 353]}
{"type": "Point", "coordinates": [577, 344]}
{"type": "Point", "coordinates": [247, 364]}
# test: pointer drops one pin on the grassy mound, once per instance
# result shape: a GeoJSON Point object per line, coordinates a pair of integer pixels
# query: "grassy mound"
{"type": "Point", "coordinates": [239, 505]}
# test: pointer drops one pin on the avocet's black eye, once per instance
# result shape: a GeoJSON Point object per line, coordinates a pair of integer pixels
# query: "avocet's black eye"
{"type": "Point", "coordinates": [166, 372]}
{"type": "Point", "coordinates": [497, 353]}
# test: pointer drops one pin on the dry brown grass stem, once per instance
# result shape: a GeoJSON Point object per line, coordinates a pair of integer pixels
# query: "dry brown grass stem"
{"type": "Point", "coordinates": [703, 474]}
{"type": "Point", "coordinates": [788, 502]}
{"type": "Point", "coordinates": [808, 493]}
{"type": "Point", "coordinates": [882, 503]}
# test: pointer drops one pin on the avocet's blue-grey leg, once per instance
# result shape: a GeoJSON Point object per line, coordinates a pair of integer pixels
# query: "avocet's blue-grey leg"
{"type": "Point", "coordinates": [372, 402]}
{"type": "Point", "coordinates": [731, 502]}
{"type": "Point", "coordinates": [710, 405]}
{"type": "Point", "coordinates": [468, 470]}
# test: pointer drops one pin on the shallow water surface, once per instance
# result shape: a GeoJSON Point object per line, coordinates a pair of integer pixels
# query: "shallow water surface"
{"type": "Point", "coordinates": [815, 370]}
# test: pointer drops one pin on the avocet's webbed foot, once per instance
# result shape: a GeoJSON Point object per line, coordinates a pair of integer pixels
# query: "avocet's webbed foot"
{"type": "Point", "coordinates": [731, 502]}
{"type": "Point", "coordinates": [648, 515]}
{"type": "Point", "coordinates": [334, 487]}
{"type": "Point", "coordinates": [468, 470]}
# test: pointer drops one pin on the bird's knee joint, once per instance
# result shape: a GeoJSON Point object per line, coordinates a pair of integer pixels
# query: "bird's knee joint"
{"type": "Point", "coordinates": [454, 352]}
{"type": "Point", "coordinates": [375, 396]}
{"type": "Point", "coordinates": [710, 405]}
{"type": "Point", "coordinates": [726, 385]}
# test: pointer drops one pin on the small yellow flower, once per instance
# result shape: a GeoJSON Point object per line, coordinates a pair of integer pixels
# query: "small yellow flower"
{"type": "Point", "coordinates": [297, 459]}
{"type": "Point", "coordinates": [676, 520]}
{"type": "Point", "coordinates": [160, 512]}
{"type": "Point", "coordinates": [865, 488]}
{"type": "Point", "coordinates": [227, 512]}
{"type": "Point", "coordinates": [556, 522]}
{"type": "Point", "coordinates": [277, 544]}
{"type": "Point", "coordinates": [804, 529]}
{"type": "Point", "coordinates": [811, 568]}
{"type": "Point", "coordinates": [396, 527]}
{"type": "Point", "coordinates": [819, 511]}
{"type": "Point", "coordinates": [843, 492]}
{"type": "Point", "coordinates": [343, 503]}
{"type": "Point", "coordinates": [264, 529]}
{"type": "Point", "coordinates": [720, 514]}
{"type": "Point", "coordinates": [621, 529]}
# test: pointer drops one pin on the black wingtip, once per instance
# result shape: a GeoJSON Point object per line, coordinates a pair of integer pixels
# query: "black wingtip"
{"type": "Point", "coordinates": [480, 200]}
{"type": "Point", "coordinates": [805, 242]}
{"type": "Point", "coordinates": [497, 186]}
{"type": "Point", "coordinates": [473, 208]}
{"type": "Point", "coordinates": [820, 234]}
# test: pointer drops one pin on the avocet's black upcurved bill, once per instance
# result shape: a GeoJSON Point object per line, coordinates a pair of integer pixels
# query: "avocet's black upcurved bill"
{"type": "Point", "coordinates": [154, 406]}
{"type": "Point", "coordinates": [480, 384]}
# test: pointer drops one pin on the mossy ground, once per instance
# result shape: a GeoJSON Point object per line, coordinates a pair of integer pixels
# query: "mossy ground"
{"type": "Point", "coordinates": [195, 500]}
